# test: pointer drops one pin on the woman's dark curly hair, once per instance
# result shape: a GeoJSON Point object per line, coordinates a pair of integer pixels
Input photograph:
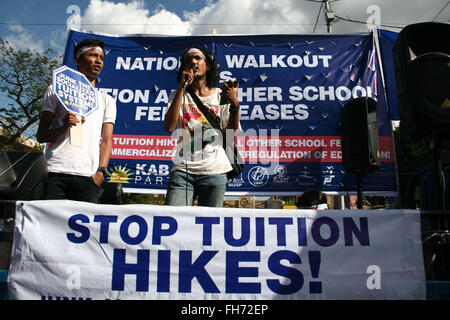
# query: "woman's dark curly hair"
{"type": "Point", "coordinates": [212, 75]}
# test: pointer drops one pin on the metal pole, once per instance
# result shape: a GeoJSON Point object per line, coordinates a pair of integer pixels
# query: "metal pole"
{"type": "Point", "coordinates": [327, 17]}
{"type": "Point", "coordinates": [438, 171]}
{"type": "Point", "coordinates": [359, 201]}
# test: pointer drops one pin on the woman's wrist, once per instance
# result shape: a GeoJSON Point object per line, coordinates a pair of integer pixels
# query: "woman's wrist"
{"type": "Point", "coordinates": [234, 108]}
{"type": "Point", "coordinates": [234, 103]}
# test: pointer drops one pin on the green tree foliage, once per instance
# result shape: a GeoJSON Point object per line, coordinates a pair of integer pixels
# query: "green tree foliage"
{"type": "Point", "coordinates": [24, 77]}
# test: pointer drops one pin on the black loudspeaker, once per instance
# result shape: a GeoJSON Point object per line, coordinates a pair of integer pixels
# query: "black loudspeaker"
{"type": "Point", "coordinates": [22, 175]}
{"type": "Point", "coordinates": [360, 152]}
{"type": "Point", "coordinates": [422, 71]}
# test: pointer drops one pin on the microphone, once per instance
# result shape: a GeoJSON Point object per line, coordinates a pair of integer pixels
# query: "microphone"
{"type": "Point", "coordinates": [186, 80]}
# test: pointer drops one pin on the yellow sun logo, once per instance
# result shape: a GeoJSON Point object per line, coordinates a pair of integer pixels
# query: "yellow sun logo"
{"type": "Point", "coordinates": [66, 102]}
{"type": "Point", "coordinates": [120, 175]}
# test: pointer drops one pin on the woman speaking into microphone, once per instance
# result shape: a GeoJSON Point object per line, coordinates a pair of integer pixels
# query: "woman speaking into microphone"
{"type": "Point", "coordinates": [200, 164]}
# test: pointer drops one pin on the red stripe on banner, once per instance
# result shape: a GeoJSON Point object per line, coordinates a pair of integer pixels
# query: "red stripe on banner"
{"type": "Point", "coordinates": [252, 148]}
{"type": "Point", "coordinates": [143, 147]}
{"type": "Point", "coordinates": [301, 148]}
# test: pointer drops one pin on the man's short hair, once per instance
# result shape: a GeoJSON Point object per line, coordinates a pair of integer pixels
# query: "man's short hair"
{"type": "Point", "coordinates": [89, 42]}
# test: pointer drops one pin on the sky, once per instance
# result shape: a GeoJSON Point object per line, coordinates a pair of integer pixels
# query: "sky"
{"type": "Point", "coordinates": [43, 24]}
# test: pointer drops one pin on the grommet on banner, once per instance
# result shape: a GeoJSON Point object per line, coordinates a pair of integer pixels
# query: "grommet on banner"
{"type": "Point", "coordinates": [306, 52]}
{"type": "Point", "coordinates": [321, 48]}
{"type": "Point", "coordinates": [155, 88]}
{"type": "Point", "coordinates": [308, 77]}
{"type": "Point", "coordinates": [263, 77]}
{"type": "Point", "coordinates": [324, 115]}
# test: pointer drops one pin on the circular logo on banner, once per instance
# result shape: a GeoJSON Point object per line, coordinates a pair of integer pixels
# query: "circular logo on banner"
{"type": "Point", "coordinates": [258, 176]}
{"type": "Point", "coordinates": [281, 174]}
{"type": "Point", "coordinates": [281, 171]}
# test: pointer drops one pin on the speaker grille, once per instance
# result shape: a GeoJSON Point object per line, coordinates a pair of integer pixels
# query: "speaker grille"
{"type": "Point", "coordinates": [422, 71]}
{"type": "Point", "coordinates": [360, 148]}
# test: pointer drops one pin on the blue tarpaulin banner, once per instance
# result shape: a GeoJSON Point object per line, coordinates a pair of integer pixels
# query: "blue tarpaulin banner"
{"type": "Point", "coordinates": [292, 90]}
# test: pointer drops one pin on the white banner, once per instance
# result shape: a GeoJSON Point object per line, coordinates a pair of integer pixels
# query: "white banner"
{"type": "Point", "coordinates": [77, 250]}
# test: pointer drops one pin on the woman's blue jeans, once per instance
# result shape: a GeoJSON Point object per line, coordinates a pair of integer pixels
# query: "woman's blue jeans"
{"type": "Point", "coordinates": [184, 188]}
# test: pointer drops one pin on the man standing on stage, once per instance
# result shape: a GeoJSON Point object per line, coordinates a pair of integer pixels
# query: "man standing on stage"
{"type": "Point", "coordinates": [77, 172]}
